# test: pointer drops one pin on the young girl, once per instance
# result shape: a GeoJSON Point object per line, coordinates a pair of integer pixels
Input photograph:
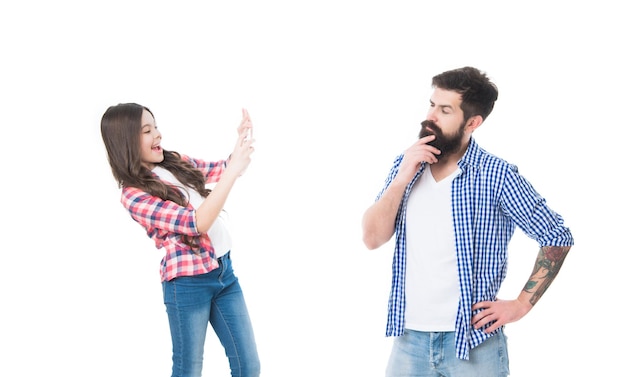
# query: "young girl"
{"type": "Point", "coordinates": [166, 193]}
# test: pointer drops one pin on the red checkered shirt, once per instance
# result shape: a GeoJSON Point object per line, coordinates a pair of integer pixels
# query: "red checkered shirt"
{"type": "Point", "coordinates": [165, 222]}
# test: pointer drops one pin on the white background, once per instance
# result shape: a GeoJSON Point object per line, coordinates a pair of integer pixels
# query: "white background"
{"type": "Point", "coordinates": [335, 89]}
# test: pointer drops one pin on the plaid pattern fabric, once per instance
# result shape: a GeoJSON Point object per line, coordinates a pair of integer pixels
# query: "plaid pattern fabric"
{"type": "Point", "coordinates": [165, 221]}
{"type": "Point", "coordinates": [489, 200]}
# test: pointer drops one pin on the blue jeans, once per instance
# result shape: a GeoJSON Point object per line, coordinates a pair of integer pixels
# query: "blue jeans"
{"type": "Point", "coordinates": [432, 354]}
{"type": "Point", "coordinates": [192, 303]}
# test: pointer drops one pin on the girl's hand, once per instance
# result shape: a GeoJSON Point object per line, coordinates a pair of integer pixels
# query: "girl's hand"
{"type": "Point", "coordinates": [245, 127]}
{"type": "Point", "coordinates": [241, 156]}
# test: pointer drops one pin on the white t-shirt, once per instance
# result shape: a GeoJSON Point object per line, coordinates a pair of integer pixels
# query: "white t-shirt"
{"type": "Point", "coordinates": [218, 233]}
{"type": "Point", "coordinates": [432, 283]}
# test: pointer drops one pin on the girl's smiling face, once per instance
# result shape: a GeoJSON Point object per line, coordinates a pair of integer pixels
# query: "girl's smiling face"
{"type": "Point", "coordinates": [150, 141]}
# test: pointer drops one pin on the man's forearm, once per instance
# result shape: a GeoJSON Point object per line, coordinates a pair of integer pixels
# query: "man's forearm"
{"type": "Point", "coordinates": [547, 266]}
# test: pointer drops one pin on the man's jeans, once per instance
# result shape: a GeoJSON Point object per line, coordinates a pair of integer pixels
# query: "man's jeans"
{"type": "Point", "coordinates": [432, 354]}
{"type": "Point", "coordinates": [192, 303]}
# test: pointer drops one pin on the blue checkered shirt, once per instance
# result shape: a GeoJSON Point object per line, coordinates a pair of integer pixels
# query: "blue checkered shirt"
{"type": "Point", "coordinates": [489, 199]}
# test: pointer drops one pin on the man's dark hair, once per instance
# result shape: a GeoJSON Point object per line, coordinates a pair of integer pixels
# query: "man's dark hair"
{"type": "Point", "coordinates": [478, 93]}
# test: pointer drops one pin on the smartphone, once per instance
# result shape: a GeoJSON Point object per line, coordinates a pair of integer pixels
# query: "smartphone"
{"type": "Point", "coordinates": [248, 134]}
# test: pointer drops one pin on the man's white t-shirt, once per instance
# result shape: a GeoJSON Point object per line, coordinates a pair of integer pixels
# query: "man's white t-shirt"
{"type": "Point", "coordinates": [432, 282]}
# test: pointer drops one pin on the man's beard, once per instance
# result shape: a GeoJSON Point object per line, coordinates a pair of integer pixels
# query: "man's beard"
{"type": "Point", "coordinates": [446, 144]}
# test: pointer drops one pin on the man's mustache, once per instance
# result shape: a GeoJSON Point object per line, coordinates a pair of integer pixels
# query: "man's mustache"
{"type": "Point", "coordinates": [430, 124]}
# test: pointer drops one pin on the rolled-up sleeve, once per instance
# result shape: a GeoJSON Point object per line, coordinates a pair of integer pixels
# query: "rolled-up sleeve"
{"type": "Point", "coordinates": [212, 170]}
{"type": "Point", "coordinates": [531, 213]}
{"type": "Point", "coordinates": [156, 214]}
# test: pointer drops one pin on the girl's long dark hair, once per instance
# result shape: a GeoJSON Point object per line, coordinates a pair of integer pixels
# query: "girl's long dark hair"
{"type": "Point", "coordinates": [121, 132]}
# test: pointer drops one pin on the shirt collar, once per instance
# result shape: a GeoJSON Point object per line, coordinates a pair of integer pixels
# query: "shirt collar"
{"type": "Point", "coordinates": [472, 155]}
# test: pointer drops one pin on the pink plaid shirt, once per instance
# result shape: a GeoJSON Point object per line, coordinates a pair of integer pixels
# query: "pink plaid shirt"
{"type": "Point", "coordinates": [165, 221]}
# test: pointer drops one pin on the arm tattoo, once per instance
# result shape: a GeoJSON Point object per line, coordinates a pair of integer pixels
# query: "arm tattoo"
{"type": "Point", "coordinates": [547, 266]}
